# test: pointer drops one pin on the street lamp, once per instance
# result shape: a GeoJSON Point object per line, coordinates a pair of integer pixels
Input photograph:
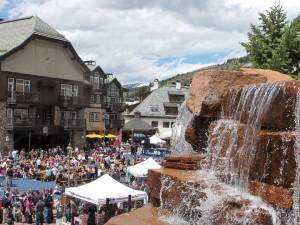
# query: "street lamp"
{"type": "Point", "coordinates": [69, 149]}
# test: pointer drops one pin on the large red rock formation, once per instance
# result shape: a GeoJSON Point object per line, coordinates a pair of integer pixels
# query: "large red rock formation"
{"type": "Point", "coordinates": [274, 160]}
{"type": "Point", "coordinates": [208, 87]}
{"type": "Point", "coordinates": [237, 211]}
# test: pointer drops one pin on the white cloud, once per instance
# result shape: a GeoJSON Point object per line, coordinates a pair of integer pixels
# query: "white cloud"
{"type": "Point", "coordinates": [128, 37]}
{"type": "Point", "coordinates": [3, 3]}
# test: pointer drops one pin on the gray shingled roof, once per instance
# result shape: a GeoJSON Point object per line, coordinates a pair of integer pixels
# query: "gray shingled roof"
{"type": "Point", "coordinates": [15, 32]}
{"type": "Point", "coordinates": [158, 98]}
{"type": "Point", "coordinates": [138, 124]}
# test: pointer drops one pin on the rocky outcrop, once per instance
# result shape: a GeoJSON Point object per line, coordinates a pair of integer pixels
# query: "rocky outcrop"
{"type": "Point", "coordinates": [208, 87]}
{"type": "Point", "coordinates": [211, 93]}
{"type": "Point", "coordinates": [279, 115]}
{"type": "Point", "coordinates": [273, 194]}
{"type": "Point", "coordinates": [185, 194]}
{"type": "Point", "coordinates": [237, 211]}
{"type": "Point", "coordinates": [274, 161]}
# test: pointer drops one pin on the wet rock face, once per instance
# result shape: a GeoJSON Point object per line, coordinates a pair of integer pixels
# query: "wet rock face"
{"type": "Point", "coordinates": [198, 127]}
{"type": "Point", "coordinates": [237, 211]}
{"type": "Point", "coordinates": [186, 193]}
{"type": "Point", "coordinates": [274, 161]}
{"type": "Point", "coordinates": [211, 94]}
{"type": "Point", "coordinates": [279, 115]}
{"type": "Point", "coordinates": [208, 87]}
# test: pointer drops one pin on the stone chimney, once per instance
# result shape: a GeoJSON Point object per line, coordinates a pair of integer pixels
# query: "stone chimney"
{"type": "Point", "coordinates": [178, 85]}
{"type": "Point", "coordinates": [155, 85]}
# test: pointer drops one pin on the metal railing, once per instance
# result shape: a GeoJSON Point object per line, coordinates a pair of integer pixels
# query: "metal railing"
{"type": "Point", "coordinates": [22, 97]}
{"type": "Point", "coordinates": [73, 124]}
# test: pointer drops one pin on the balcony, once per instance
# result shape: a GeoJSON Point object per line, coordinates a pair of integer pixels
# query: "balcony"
{"type": "Point", "coordinates": [115, 124]}
{"type": "Point", "coordinates": [22, 98]}
{"type": "Point", "coordinates": [73, 124]}
{"type": "Point", "coordinates": [66, 101]}
{"type": "Point", "coordinates": [115, 107]}
{"type": "Point", "coordinates": [17, 124]}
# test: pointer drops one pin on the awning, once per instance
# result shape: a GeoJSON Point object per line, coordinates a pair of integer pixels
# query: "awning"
{"type": "Point", "coordinates": [141, 169]}
{"type": "Point", "coordinates": [99, 190]}
{"type": "Point", "coordinates": [155, 140]}
{"type": "Point", "coordinates": [94, 136]}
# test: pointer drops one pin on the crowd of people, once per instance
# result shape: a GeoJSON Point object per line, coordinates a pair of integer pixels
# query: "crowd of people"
{"type": "Point", "coordinates": [66, 167]}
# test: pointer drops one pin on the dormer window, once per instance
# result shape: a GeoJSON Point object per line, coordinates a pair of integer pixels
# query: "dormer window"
{"type": "Point", "coordinates": [95, 81]}
{"type": "Point", "coordinates": [154, 109]}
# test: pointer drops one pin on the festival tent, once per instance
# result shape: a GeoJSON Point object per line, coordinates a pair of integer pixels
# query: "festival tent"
{"type": "Point", "coordinates": [99, 190]}
{"type": "Point", "coordinates": [141, 169]}
{"type": "Point", "coordinates": [155, 140]}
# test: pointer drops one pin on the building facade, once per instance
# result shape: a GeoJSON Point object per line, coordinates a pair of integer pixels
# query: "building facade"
{"type": "Point", "coordinates": [43, 94]}
{"type": "Point", "coordinates": [48, 95]}
{"type": "Point", "coordinates": [96, 110]}
{"type": "Point", "coordinates": [114, 103]}
{"type": "Point", "coordinates": [160, 109]}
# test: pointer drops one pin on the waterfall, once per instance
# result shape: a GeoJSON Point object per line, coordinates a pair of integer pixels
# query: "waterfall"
{"type": "Point", "coordinates": [296, 195]}
{"type": "Point", "coordinates": [240, 121]}
{"type": "Point", "coordinates": [178, 143]}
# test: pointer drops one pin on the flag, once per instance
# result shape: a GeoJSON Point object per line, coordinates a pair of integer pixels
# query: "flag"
{"type": "Point", "coordinates": [118, 140]}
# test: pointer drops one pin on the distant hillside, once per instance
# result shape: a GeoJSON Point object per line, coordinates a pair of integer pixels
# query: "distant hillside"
{"type": "Point", "coordinates": [186, 78]}
{"type": "Point", "coordinates": [141, 90]}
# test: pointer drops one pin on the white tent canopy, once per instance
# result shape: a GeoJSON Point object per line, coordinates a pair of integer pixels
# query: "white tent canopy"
{"type": "Point", "coordinates": [141, 169]}
{"type": "Point", "coordinates": [155, 140]}
{"type": "Point", "coordinates": [99, 190]}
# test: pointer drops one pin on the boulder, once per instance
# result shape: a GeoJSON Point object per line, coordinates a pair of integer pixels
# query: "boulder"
{"type": "Point", "coordinates": [275, 195]}
{"type": "Point", "coordinates": [196, 133]}
{"type": "Point", "coordinates": [278, 116]}
{"type": "Point", "coordinates": [271, 75]}
{"type": "Point", "coordinates": [208, 87]}
{"type": "Point", "coordinates": [238, 211]}
{"type": "Point", "coordinates": [273, 162]}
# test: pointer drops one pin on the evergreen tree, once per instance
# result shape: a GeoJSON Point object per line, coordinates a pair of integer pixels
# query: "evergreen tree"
{"type": "Point", "coordinates": [274, 44]}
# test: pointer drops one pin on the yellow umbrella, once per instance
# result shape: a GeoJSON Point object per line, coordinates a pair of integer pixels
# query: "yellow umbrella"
{"type": "Point", "coordinates": [94, 136]}
{"type": "Point", "coordinates": [111, 136]}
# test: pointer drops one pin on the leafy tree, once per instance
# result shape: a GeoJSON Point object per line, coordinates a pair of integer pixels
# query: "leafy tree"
{"type": "Point", "coordinates": [274, 44]}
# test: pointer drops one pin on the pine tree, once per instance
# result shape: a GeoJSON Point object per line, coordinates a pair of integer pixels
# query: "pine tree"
{"type": "Point", "coordinates": [274, 44]}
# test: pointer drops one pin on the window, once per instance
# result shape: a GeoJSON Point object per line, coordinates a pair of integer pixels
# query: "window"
{"type": "Point", "coordinates": [154, 124]}
{"type": "Point", "coordinates": [166, 124]}
{"type": "Point", "coordinates": [94, 117]}
{"type": "Point", "coordinates": [9, 116]}
{"type": "Point", "coordinates": [98, 99]}
{"type": "Point", "coordinates": [113, 90]}
{"type": "Point", "coordinates": [171, 110]}
{"type": "Point", "coordinates": [20, 115]}
{"type": "Point", "coordinates": [176, 98]}
{"type": "Point", "coordinates": [154, 109]}
{"type": "Point", "coordinates": [172, 123]}
{"type": "Point", "coordinates": [69, 90]}
{"type": "Point", "coordinates": [68, 115]}
{"type": "Point", "coordinates": [22, 85]}
{"type": "Point", "coordinates": [11, 84]}
{"type": "Point", "coordinates": [94, 80]}
{"type": "Point", "coordinates": [92, 99]}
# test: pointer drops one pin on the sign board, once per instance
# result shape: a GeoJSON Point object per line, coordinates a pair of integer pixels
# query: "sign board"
{"type": "Point", "coordinates": [45, 131]}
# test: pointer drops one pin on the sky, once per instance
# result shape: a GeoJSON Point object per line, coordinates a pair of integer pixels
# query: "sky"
{"type": "Point", "coordinates": [140, 40]}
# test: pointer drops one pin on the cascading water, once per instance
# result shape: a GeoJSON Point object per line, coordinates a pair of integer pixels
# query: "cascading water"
{"type": "Point", "coordinates": [296, 195]}
{"type": "Point", "coordinates": [243, 117]}
{"type": "Point", "coordinates": [178, 143]}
